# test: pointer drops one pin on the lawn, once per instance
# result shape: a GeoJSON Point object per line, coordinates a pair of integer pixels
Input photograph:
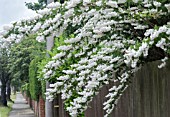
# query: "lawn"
{"type": "Point", "coordinates": [4, 111]}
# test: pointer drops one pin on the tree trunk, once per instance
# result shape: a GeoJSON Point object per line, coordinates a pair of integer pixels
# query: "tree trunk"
{"type": "Point", "coordinates": [15, 90]}
{"type": "Point", "coordinates": [3, 95]}
{"type": "Point", "coordinates": [9, 90]}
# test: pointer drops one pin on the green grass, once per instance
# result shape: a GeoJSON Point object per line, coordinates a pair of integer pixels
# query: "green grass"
{"type": "Point", "coordinates": [4, 111]}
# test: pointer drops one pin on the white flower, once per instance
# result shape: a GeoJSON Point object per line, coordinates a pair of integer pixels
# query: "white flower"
{"type": "Point", "coordinates": [108, 68]}
{"type": "Point", "coordinates": [147, 5]}
{"type": "Point", "coordinates": [135, 1]}
{"type": "Point", "coordinates": [36, 27]}
{"type": "Point", "coordinates": [162, 29]}
{"type": "Point", "coordinates": [44, 11]}
{"type": "Point", "coordinates": [121, 1]}
{"type": "Point", "coordinates": [163, 64]}
{"type": "Point", "coordinates": [81, 78]}
{"type": "Point", "coordinates": [92, 64]}
{"type": "Point", "coordinates": [153, 11]}
{"type": "Point", "coordinates": [69, 72]}
{"type": "Point", "coordinates": [81, 67]}
{"type": "Point", "coordinates": [56, 19]}
{"type": "Point", "coordinates": [40, 38]}
{"type": "Point", "coordinates": [59, 55]}
{"type": "Point", "coordinates": [92, 84]}
{"type": "Point", "coordinates": [111, 14]}
{"type": "Point", "coordinates": [168, 7]}
{"type": "Point", "coordinates": [161, 43]}
{"type": "Point", "coordinates": [140, 27]}
{"type": "Point", "coordinates": [157, 4]}
{"type": "Point", "coordinates": [83, 60]}
{"type": "Point", "coordinates": [106, 106]}
{"type": "Point", "coordinates": [99, 3]}
{"type": "Point", "coordinates": [79, 54]}
{"type": "Point", "coordinates": [98, 36]}
{"type": "Point", "coordinates": [97, 31]}
{"type": "Point", "coordinates": [113, 88]}
{"type": "Point", "coordinates": [168, 32]}
{"type": "Point", "coordinates": [47, 74]}
{"type": "Point", "coordinates": [154, 35]}
{"type": "Point", "coordinates": [8, 27]}
{"type": "Point", "coordinates": [56, 64]}
{"type": "Point", "coordinates": [66, 77]}
{"type": "Point", "coordinates": [103, 78]}
{"type": "Point", "coordinates": [73, 40]}
{"type": "Point", "coordinates": [63, 96]}
{"type": "Point", "coordinates": [84, 72]}
{"type": "Point", "coordinates": [72, 4]}
{"type": "Point", "coordinates": [114, 59]}
{"type": "Point", "coordinates": [74, 113]}
{"type": "Point", "coordinates": [86, 2]}
{"type": "Point", "coordinates": [44, 70]}
{"type": "Point", "coordinates": [164, 59]}
{"type": "Point", "coordinates": [101, 67]}
{"type": "Point", "coordinates": [143, 49]}
{"type": "Point", "coordinates": [3, 32]}
{"type": "Point", "coordinates": [112, 4]}
{"type": "Point", "coordinates": [148, 32]}
{"type": "Point", "coordinates": [107, 58]}
{"type": "Point", "coordinates": [91, 12]}
{"type": "Point", "coordinates": [68, 13]}
{"type": "Point", "coordinates": [65, 47]}
{"type": "Point", "coordinates": [133, 64]}
{"type": "Point", "coordinates": [54, 5]}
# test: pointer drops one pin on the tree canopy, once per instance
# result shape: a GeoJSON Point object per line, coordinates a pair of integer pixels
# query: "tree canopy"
{"type": "Point", "coordinates": [36, 6]}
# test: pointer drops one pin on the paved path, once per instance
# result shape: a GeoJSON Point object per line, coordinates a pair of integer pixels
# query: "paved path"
{"type": "Point", "coordinates": [20, 108]}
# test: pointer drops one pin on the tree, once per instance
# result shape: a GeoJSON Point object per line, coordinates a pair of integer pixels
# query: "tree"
{"type": "Point", "coordinates": [21, 56]}
{"type": "Point", "coordinates": [36, 6]}
{"type": "Point", "coordinates": [40, 5]}
{"type": "Point", "coordinates": [4, 74]}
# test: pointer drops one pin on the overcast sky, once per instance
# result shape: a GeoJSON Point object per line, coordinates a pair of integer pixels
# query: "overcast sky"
{"type": "Point", "coordinates": [13, 10]}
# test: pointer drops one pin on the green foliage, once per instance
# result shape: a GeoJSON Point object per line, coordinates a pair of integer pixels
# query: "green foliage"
{"type": "Point", "coordinates": [25, 88]}
{"type": "Point", "coordinates": [40, 66]}
{"type": "Point", "coordinates": [35, 85]}
{"type": "Point", "coordinates": [36, 6]}
{"type": "Point", "coordinates": [20, 57]}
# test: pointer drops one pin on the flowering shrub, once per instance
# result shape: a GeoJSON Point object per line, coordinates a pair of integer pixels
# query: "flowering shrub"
{"type": "Point", "coordinates": [97, 42]}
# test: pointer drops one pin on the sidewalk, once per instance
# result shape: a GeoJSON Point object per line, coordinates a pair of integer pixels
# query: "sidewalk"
{"type": "Point", "coordinates": [21, 108]}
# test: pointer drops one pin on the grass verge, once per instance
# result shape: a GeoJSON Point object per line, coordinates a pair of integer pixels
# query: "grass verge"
{"type": "Point", "coordinates": [4, 111]}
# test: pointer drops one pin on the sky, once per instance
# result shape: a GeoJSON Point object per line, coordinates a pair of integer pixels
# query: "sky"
{"type": "Point", "coordinates": [13, 10]}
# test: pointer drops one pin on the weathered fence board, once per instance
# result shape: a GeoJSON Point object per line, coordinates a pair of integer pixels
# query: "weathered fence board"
{"type": "Point", "coordinates": [147, 96]}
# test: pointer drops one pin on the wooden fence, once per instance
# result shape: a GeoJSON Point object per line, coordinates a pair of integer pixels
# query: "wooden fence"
{"type": "Point", "coordinates": [147, 96]}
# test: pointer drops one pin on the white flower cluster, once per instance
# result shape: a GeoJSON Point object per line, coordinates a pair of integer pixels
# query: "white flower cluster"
{"type": "Point", "coordinates": [54, 5]}
{"type": "Point", "coordinates": [163, 63]}
{"type": "Point", "coordinates": [115, 91]}
{"type": "Point", "coordinates": [96, 64]}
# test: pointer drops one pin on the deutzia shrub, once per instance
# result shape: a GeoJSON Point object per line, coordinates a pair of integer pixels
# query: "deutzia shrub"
{"type": "Point", "coordinates": [97, 43]}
